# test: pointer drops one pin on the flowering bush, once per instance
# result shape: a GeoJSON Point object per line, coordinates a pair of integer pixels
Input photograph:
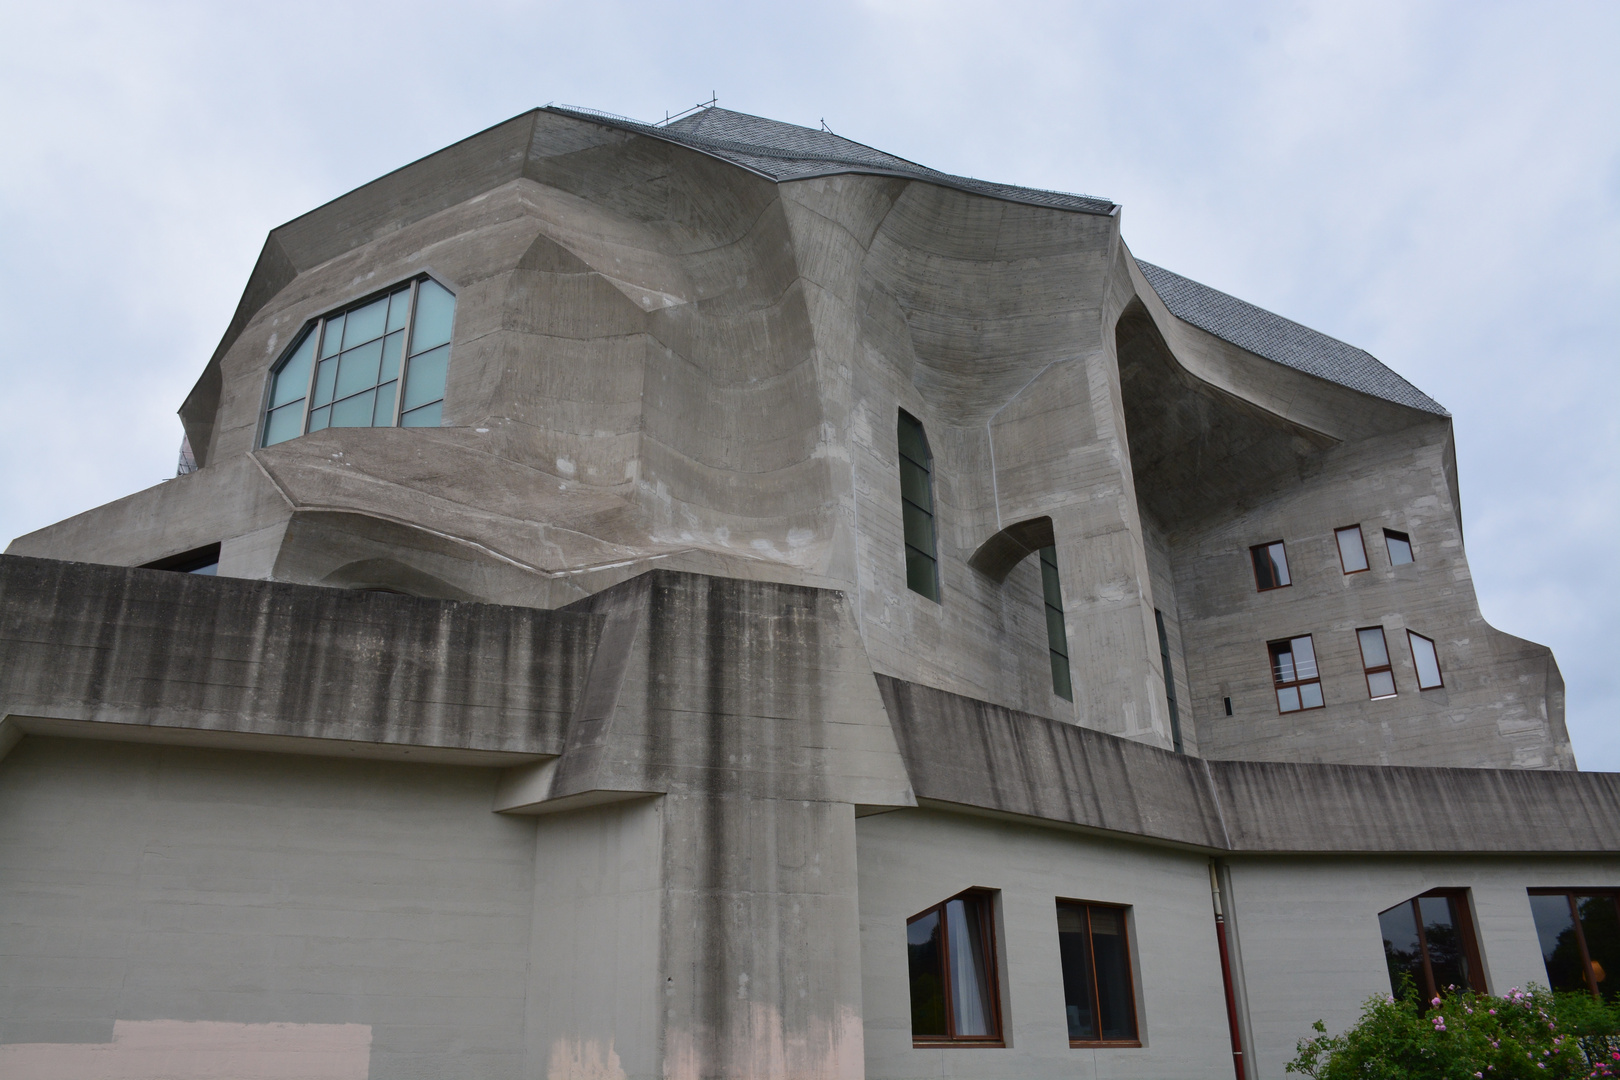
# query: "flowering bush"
{"type": "Point", "coordinates": [1467, 1036]}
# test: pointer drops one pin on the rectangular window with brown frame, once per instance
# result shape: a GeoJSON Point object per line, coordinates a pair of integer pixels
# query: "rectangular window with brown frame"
{"type": "Point", "coordinates": [951, 950]}
{"type": "Point", "coordinates": [1352, 552]}
{"type": "Point", "coordinates": [1400, 547]}
{"type": "Point", "coordinates": [1375, 662]}
{"type": "Point", "coordinates": [1099, 991]}
{"type": "Point", "coordinates": [1270, 566]}
{"type": "Point", "coordinates": [1425, 661]}
{"type": "Point", "coordinates": [1429, 941]}
{"type": "Point", "coordinates": [1293, 671]}
{"type": "Point", "coordinates": [1579, 930]}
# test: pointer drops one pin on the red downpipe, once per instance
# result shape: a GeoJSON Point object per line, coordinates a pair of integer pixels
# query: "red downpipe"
{"type": "Point", "coordinates": [1226, 974]}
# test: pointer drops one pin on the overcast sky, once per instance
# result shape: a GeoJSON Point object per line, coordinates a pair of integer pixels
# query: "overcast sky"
{"type": "Point", "coordinates": [1436, 183]}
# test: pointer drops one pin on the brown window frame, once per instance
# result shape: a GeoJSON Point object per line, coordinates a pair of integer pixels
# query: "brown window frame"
{"type": "Point", "coordinates": [1405, 538]}
{"type": "Point", "coordinates": [1356, 528]}
{"type": "Point", "coordinates": [1255, 554]}
{"type": "Point", "coordinates": [1465, 927]}
{"type": "Point", "coordinates": [1417, 673]}
{"type": "Point", "coordinates": [1369, 672]}
{"type": "Point", "coordinates": [987, 930]}
{"type": "Point", "coordinates": [1272, 649]}
{"type": "Point", "coordinates": [1130, 974]}
{"type": "Point", "coordinates": [1580, 931]}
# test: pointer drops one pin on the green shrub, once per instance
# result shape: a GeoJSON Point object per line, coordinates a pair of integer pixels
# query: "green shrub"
{"type": "Point", "coordinates": [1468, 1036]}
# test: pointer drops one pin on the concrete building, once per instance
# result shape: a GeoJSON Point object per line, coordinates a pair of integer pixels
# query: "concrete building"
{"type": "Point", "coordinates": [718, 600]}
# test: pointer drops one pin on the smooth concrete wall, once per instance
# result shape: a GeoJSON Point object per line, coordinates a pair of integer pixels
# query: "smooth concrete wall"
{"type": "Point", "coordinates": [166, 884]}
{"type": "Point", "coordinates": [1501, 706]}
{"type": "Point", "coordinates": [1181, 1006]}
{"type": "Point", "coordinates": [1311, 945]}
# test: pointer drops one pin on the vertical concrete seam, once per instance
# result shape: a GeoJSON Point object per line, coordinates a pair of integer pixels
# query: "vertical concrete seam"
{"type": "Point", "coordinates": [1215, 795]}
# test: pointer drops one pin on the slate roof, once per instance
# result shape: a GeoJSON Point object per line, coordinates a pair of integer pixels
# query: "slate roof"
{"type": "Point", "coordinates": [781, 151]}
{"type": "Point", "coordinates": [1283, 340]}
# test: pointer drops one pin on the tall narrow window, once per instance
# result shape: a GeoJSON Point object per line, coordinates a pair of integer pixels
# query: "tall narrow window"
{"type": "Point", "coordinates": [1097, 986]}
{"type": "Point", "coordinates": [345, 369]}
{"type": "Point", "coordinates": [1580, 939]}
{"type": "Point", "coordinates": [1270, 566]}
{"type": "Point", "coordinates": [1430, 940]}
{"type": "Point", "coordinates": [1399, 545]}
{"type": "Point", "coordinates": [1426, 661]}
{"type": "Point", "coordinates": [1169, 682]}
{"type": "Point", "coordinates": [1352, 552]}
{"type": "Point", "coordinates": [1293, 670]}
{"type": "Point", "coordinates": [917, 508]}
{"type": "Point", "coordinates": [951, 950]}
{"type": "Point", "coordinates": [1057, 639]}
{"type": "Point", "coordinates": [1375, 662]}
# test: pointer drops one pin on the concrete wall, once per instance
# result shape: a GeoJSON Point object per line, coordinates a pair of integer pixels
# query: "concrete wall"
{"type": "Point", "coordinates": [146, 883]}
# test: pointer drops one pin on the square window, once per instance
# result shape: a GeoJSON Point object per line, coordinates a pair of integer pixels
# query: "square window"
{"type": "Point", "coordinates": [1375, 662]}
{"type": "Point", "coordinates": [1270, 566]}
{"type": "Point", "coordinates": [1352, 552]}
{"type": "Point", "coordinates": [1099, 993]}
{"type": "Point", "coordinates": [1579, 930]}
{"type": "Point", "coordinates": [1429, 939]}
{"type": "Point", "coordinates": [1400, 547]}
{"type": "Point", "coordinates": [1425, 660]}
{"type": "Point", "coordinates": [951, 952]}
{"type": "Point", "coordinates": [1293, 671]}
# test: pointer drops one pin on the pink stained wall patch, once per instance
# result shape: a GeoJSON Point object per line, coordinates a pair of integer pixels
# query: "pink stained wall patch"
{"type": "Point", "coordinates": [199, 1050]}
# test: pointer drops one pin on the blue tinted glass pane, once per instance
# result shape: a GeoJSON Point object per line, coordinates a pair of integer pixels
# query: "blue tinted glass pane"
{"type": "Point", "coordinates": [426, 416]}
{"type": "Point", "coordinates": [292, 381]}
{"type": "Point", "coordinates": [324, 378]}
{"type": "Point", "coordinates": [320, 418]}
{"type": "Point", "coordinates": [398, 305]}
{"type": "Point", "coordinates": [384, 416]}
{"type": "Point", "coordinates": [365, 323]}
{"type": "Point", "coordinates": [358, 370]}
{"type": "Point", "coordinates": [391, 353]}
{"type": "Point", "coordinates": [354, 412]}
{"type": "Point", "coordinates": [1310, 695]}
{"type": "Point", "coordinates": [424, 380]}
{"type": "Point", "coordinates": [435, 307]}
{"type": "Point", "coordinates": [333, 340]}
{"type": "Point", "coordinates": [284, 423]}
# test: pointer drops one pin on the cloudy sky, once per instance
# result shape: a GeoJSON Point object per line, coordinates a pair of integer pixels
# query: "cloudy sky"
{"type": "Point", "coordinates": [1438, 183]}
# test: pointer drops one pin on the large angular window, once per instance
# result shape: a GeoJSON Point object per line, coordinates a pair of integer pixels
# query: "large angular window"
{"type": "Point", "coordinates": [951, 949]}
{"type": "Point", "coordinates": [917, 508]}
{"type": "Point", "coordinates": [1097, 986]}
{"type": "Point", "coordinates": [1429, 939]}
{"type": "Point", "coordinates": [1426, 661]}
{"type": "Point", "coordinates": [1057, 638]}
{"type": "Point", "coordinates": [1580, 939]}
{"type": "Point", "coordinates": [1375, 662]}
{"type": "Point", "coordinates": [1293, 670]}
{"type": "Point", "coordinates": [1270, 566]}
{"type": "Point", "coordinates": [346, 369]}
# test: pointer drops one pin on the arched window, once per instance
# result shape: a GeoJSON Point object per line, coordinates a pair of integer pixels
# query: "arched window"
{"type": "Point", "coordinates": [917, 508]}
{"type": "Point", "coordinates": [346, 368]}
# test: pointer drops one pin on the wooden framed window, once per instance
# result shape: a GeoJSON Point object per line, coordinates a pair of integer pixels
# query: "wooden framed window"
{"type": "Point", "coordinates": [1425, 660]}
{"type": "Point", "coordinates": [1099, 992]}
{"type": "Point", "coordinates": [1293, 670]}
{"type": "Point", "coordinates": [1270, 566]}
{"type": "Point", "coordinates": [1352, 552]}
{"type": "Point", "coordinates": [1430, 940]}
{"type": "Point", "coordinates": [1375, 662]}
{"type": "Point", "coordinates": [1580, 938]}
{"type": "Point", "coordinates": [1057, 638]}
{"type": "Point", "coordinates": [346, 369]}
{"type": "Point", "coordinates": [1400, 547]}
{"type": "Point", "coordinates": [951, 950]}
{"type": "Point", "coordinates": [917, 508]}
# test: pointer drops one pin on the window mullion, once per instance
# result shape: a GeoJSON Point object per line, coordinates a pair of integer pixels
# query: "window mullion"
{"type": "Point", "coordinates": [405, 353]}
{"type": "Point", "coordinates": [1096, 987]}
{"type": "Point", "coordinates": [945, 968]}
{"type": "Point", "coordinates": [1431, 988]}
{"type": "Point", "coordinates": [1580, 938]}
{"type": "Point", "coordinates": [314, 377]}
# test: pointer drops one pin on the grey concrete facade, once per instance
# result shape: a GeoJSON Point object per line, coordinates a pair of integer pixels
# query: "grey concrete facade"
{"type": "Point", "coordinates": [645, 772]}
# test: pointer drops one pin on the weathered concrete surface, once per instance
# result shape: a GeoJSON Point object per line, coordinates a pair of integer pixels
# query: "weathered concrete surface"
{"type": "Point", "coordinates": [974, 754]}
{"type": "Point", "coordinates": [166, 654]}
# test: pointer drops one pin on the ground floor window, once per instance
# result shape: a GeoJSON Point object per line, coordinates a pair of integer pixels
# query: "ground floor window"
{"type": "Point", "coordinates": [1580, 939]}
{"type": "Point", "coordinates": [951, 949]}
{"type": "Point", "coordinates": [1430, 941]}
{"type": "Point", "coordinates": [1098, 990]}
